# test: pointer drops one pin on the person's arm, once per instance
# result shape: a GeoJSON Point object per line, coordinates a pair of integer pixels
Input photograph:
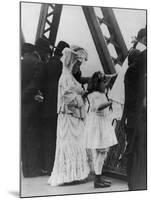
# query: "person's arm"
{"type": "Point", "coordinates": [84, 80]}
{"type": "Point", "coordinates": [104, 105]}
{"type": "Point", "coordinates": [110, 75]}
{"type": "Point", "coordinates": [28, 93]}
{"type": "Point", "coordinates": [79, 78]}
{"type": "Point", "coordinates": [108, 78]}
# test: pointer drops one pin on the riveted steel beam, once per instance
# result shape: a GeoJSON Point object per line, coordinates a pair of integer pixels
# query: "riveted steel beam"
{"type": "Point", "coordinates": [99, 39]}
{"type": "Point", "coordinates": [114, 30]}
{"type": "Point", "coordinates": [49, 32]}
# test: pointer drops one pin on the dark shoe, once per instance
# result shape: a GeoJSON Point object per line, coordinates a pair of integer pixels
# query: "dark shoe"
{"type": "Point", "coordinates": [105, 180]}
{"type": "Point", "coordinates": [43, 172]}
{"type": "Point", "coordinates": [101, 185]}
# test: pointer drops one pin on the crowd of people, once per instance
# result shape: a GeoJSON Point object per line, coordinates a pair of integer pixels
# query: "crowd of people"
{"type": "Point", "coordinates": [62, 118]}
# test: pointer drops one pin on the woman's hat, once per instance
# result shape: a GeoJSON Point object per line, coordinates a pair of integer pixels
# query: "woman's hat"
{"type": "Point", "coordinates": [82, 54]}
{"type": "Point", "coordinates": [43, 44]}
{"type": "Point", "coordinates": [60, 47]}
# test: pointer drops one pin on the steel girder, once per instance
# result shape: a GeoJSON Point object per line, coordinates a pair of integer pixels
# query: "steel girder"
{"type": "Point", "coordinates": [116, 37]}
{"type": "Point", "coordinates": [99, 40]}
{"type": "Point", "coordinates": [48, 22]}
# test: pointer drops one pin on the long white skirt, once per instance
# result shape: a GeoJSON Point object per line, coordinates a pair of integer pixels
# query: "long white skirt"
{"type": "Point", "coordinates": [70, 157]}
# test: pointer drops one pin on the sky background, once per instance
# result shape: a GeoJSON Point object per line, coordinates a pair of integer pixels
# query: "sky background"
{"type": "Point", "coordinates": [73, 29]}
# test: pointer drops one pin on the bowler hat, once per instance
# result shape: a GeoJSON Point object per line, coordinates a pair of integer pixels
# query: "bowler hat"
{"type": "Point", "coordinates": [60, 47]}
{"type": "Point", "coordinates": [43, 44]}
{"type": "Point", "coordinates": [27, 48]}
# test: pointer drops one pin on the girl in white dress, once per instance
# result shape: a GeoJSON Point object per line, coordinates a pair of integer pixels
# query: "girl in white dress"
{"type": "Point", "coordinates": [70, 157]}
{"type": "Point", "coordinates": [99, 133]}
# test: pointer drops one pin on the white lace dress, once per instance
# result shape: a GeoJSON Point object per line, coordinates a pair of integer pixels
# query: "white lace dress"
{"type": "Point", "coordinates": [99, 133]}
{"type": "Point", "coordinates": [70, 157]}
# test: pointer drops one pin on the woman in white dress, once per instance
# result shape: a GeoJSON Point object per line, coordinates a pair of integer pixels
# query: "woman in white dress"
{"type": "Point", "coordinates": [70, 157]}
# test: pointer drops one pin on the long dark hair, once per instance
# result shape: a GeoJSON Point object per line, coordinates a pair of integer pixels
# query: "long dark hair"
{"type": "Point", "coordinates": [94, 82]}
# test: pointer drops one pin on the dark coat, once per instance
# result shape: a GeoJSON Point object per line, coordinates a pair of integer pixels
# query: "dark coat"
{"type": "Point", "coordinates": [136, 112]}
{"type": "Point", "coordinates": [31, 82]}
{"type": "Point", "coordinates": [50, 90]}
{"type": "Point", "coordinates": [135, 91]}
{"type": "Point", "coordinates": [139, 169]}
{"type": "Point", "coordinates": [51, 75]}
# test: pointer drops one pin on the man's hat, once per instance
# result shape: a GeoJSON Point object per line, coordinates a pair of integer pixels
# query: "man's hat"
{"type": "Point", "coordinates": [43, 44]}
{"type": "Point", "coordinates": [141, 33]}
{"type": "Point", "coordinates": [27, 48]}
{"type": "Point", "coordinates": [60, 47]}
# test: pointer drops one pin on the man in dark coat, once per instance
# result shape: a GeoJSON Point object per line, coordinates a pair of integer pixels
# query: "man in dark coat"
{"type": "Point", "coordinates": [31, 67]}
{"type": "Point", "coordinates": [138, 179]}
{"type": "Point", "coordinates": [50, 91]}
{"type": "Point", "coordinates": [135, 115]}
